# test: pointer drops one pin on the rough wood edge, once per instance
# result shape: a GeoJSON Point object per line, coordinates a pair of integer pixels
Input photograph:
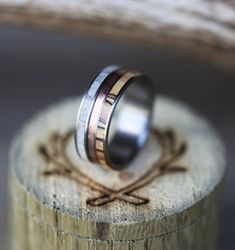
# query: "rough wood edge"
{"type": "Point", "coordinates": [205, 227]}
{"type": "Point", "coordinates": [94, 230]}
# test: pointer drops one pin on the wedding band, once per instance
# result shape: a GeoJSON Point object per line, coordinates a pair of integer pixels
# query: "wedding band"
{"type": "Point", "coordinates": [114, 117]}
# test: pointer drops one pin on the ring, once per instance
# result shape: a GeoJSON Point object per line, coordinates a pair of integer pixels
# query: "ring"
{"type": "Point", "coordinates": [114, 117]}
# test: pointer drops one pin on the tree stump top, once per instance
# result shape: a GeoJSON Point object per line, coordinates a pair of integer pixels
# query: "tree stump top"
{"type": "Point", "coordinates": [181, 164]}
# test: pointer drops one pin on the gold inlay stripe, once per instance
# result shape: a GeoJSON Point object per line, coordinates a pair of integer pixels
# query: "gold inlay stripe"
{"type": "Point", "coordinates": [106, 112]}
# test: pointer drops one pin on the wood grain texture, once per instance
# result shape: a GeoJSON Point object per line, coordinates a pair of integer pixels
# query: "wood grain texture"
{"type": "Point", "coordinates": [105, 114]}
{"type": "Point", "coordinates": [51, 188]}
{"type": "Point", "coordinates": [204, 29]}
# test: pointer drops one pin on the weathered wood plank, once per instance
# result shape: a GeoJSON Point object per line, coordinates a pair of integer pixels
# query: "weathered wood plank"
{"type": "Point", "coordinates": [178, 176]}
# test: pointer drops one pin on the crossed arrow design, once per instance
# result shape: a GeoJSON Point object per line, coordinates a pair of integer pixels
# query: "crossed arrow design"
{"type": "Point", "coordinates": [58, 162]}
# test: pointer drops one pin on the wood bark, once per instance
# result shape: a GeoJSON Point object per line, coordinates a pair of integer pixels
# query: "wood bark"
{"type": "Point", "coordinates": [199, 28]}
{"type": "Point", "coordinates": [168, 198]}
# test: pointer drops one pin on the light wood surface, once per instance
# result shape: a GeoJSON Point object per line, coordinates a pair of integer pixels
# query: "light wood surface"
{"type": "Point", "coordinates": [167, 199]}
{"type": "Point", "coordinates": [203, 29]}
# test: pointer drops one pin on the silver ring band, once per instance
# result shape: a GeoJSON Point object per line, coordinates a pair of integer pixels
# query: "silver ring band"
{"type": "Point", "coordinates": [114, 117]}
{"type": "Point", "coordinates": [85, 110]}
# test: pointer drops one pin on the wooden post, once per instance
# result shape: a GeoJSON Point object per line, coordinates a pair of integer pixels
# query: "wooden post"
{"type": "Point", "coordinates": [167, 199]}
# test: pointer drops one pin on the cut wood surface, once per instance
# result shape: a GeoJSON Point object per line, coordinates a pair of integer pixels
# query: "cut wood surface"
{"type": "Point", "coordinates": [168, 198]}
{"type": "Point", "coordinates": [204, 29]}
